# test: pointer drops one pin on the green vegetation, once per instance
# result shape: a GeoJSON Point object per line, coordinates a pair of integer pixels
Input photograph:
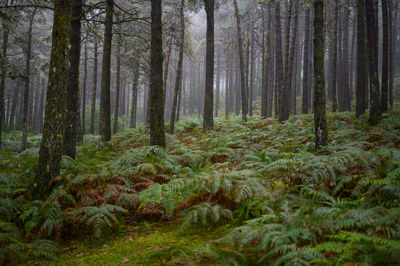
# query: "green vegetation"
{"type": "Point", "coordinates": [250, 193]}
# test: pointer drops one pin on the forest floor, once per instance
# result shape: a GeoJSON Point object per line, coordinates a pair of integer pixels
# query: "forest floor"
{"type": "Point", "coordinates": [250, 193]}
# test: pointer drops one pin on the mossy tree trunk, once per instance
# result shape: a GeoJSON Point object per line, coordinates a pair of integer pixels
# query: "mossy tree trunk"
{"type": "Point", "coordinates": [51, 146]}
{"type": "Point", "coordinates": [105, 108]}
{"type": "Point", "coordinates": [72, 98]}
{"type": "Point", "coordinates": [321, 130]}
{"type": "Point", "coordinates": [208, 120]}
{"type": "Point", "coordinates": [27, 81]}
{"type": "Point", "coordinates": [362, 62]}
{"type": "Point", "coordinates": [157, 127]}
{"type": "Point", "coordinates": [241, 63]}
{"type": "Point", "coordinates": [178, 80]}
{"type": "Point", "coordinates": [375, 113]}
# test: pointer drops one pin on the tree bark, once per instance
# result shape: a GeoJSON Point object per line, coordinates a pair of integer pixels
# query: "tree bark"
{"type": "Point", "coordinates": [157, 128]}
{"type": "Point", "coordinates": [105, 112]}
{"type": "Point", "coordinates": [94, 89]}
{"type": "Point", "coordinates": [132, 121]}
{"type": "Point", "coordinates": [321, 130]}
{"type": "Point", "coordinates": [83, 127]}
{"type": "Point", "coordinates": [55, 114]}
{"type": "Point", "coordinates": [385, 56]}
{"type": "Point", "coordinates": [208, 120]}
{"type": "Point", "coordinates": [178, 80]}
{"type": "Point", "coordinates": [375, 113]}
{"type": "Point", "coordinates": [362, 62]}
{"type": "Point", "coordinates": [3, 69]}
{"type": "Point", "coordinates": [335, 56]}
{"type": "Point", "coordinates": [118, 85]}
{"type": "Point", "coordinates": [27, 81]}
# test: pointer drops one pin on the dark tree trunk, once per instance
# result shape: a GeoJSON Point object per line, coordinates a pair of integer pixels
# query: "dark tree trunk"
{"type": "Point", "coordinates": [321, 130]}
{"type": "Point", "coordinates": [166, 67]}
{"type": "Point", "coordinates": [53, 130]}
{"type": "Point", "coordinates": [375, 113]}
{"type": "Point", "coordinates": [292, 66]}
{"type": "Point", "coordinates": [178, 80]}
{"type": "Point", "coordinates": [279, 82]}
{"type": "Point", "coordinates": [362, 62]}
{"type": "Point", "coordinates": [118, 84]}
{"type": "Point", "coordinates": [218, 85]}
{"type": "Point", "coordinates": [252, 70]}
{"type": "Point", "coordinates": [157, 128]}
{"type": "Point", "coordinates": [27, 81]}
{"type": "Point", "coordinates": [335, 56]}
{"type": "Point", "coordinates": [132, 121]}
{"type": "Point", "coordinates": [227, 77]}
{"type": "Point", "coordinates": [385, 56]}
{"type": "Point", "coordinates": [264, 68]}
{"type": "Point", "coordinates": [241, 64]}
{"type": "Point", "coordinates": [105, 104]}
{"type": "Point", "coordinates": [72, 100]}
{"type": "Point", "coordinates": [392, 57]}
{"type": "Point", "coordinates": [284, 93]}
{"type": "Point", "coordinates": [3, 76]}
{"type": "Point", "coordinates": [94, 89]}
{"type": "Point", "coordinates": [208, 120]}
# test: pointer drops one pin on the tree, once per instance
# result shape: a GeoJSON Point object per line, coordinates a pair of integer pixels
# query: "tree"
{"type": "Point", "coordinates": [208, 122]}
{"type": "Point", "coordinates": [385, 56]}
{"type": "Point", "coordinates": [105, 108]}
{"type": "Point", "coordinates": [3, 69]}
{"type": "Point", "coordinates": [335, 55]}
{"type": "Point", "coordinates": [132, 121]}
{"type": "Point", "coordinates": [72, 99]}
{"type": "Point", "coordinates": [279, 62]}
{"type": "Point", "coordinates": [321, 130]}
{"type": "Point", "coordinates": [371, 11]}
{"type": "Point", "coordinates": [178, 81]}
{"type": "Point", "coordinates": [27, 80]}
{"type": "Point", "coordinates": [243, 83]}
{"type": "Point", "coordinates": [53, 129]}
{"type": "Point", "coordinates": [157, 130]}
{"type": "Point", "coordinates": [306, 87]}
{"type": "Point", "coordinates": [118, 82]}
{"type": "Point", "coordinates": [94, 89]}
{"type": "Point", "coordinates": [362, 63]}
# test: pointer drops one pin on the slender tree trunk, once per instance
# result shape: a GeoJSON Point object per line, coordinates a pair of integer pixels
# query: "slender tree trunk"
{"type": "Point", "coordinates": [321, 130]}
{"type": "Point", "coordinates": [335, 56]}
{"type": "Point", "coordinates": [385, 56]}
{"type": "Point", "coordinates": [292, 66]}
{"type": "Point", "coordinates": [375, 113]}
{"type": "Point", "coordinates": [51, 146]}
{"type": "Point", "coordinates": [42, 105]}
{"type": "Point", "coordinates": [118, 85]}
{"type": "Point", "coordinates": [252, 66]}
{"type": "Point", "coordinates": [208, 120]}
{"type": "Point", "coordinates": [362, 62]}
{"type": "Point", "coordinates": [241, 63]}
{"type": "Point", "coordinates": [27, 81]}
{"type": "Point", "coordinates": [132, 121]}
{"type": "Point", "coordinates": [3, 69]}
{"type": "Point", "coordinates": [94, 89]}
{"type": "Point", "coordinates": [218, 85]}
{"type": "Point", "coordinates": [105, 112]}
{"type": "Point", "coordinates": [166, 67]}
{"type": "Point", "coordinates": [83, 127]}
{"type": "Point", "coordinates": [279, 82]}
{"type": "Point", "coordinates": [392, 57]}
{"type": "Point", "coordinates": [178, 81]}
{"type": "Point", "coordinates": [157, 130]}
{"type": "Point", "coordinates": [264, 69]}
{"type": "Point", "coordinates": [227, 92]}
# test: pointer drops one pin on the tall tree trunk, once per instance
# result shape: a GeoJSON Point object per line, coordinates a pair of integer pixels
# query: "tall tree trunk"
{"type": "Point", "coordinates": [241, 63]}
{"type": "Point", "coordinates": [218, 85]}
{"type": "Point", "coordinates": [42, 105]}
{"type": "Point", "coordinates": [166, 67]}
{"type": "Point", "coordinates": [27, 81]}
{"type": "Point", "coordinates": [252, 66]}
{"type": "Point", "coordinates": [227, 77]}
{"type": "Point", "coordinates": [393, 36]}
{"type": "Point", "coordinates": [292, 66]}
{"type": "Point", "coordinates": [284, 93]}
{"type": "Point", "coordinates": [118, 84]}
{"type": "Point", "coordinates": [51, 146]}
{"type": "Point", "coordinates": [385, 56]}
{"type": "Point", "coordinates": [335, 56]}
{"type": "Point", "coordinates": [132, 121]}
{"type": "Point", "coordinates": [83, 127]}
{"type": "Point", "coordinates": [178, 81]}
{"type": "Point", "coordinates": [94, 89]}
{"type": "Point", "coordinates": [264, 68]}
{"type": "Point", "coordinates": [3, 70]}
{"type": "Point", "coordinates": [362, 62]}
{"type": "Point", "coordinates": [375, 113]}
{"type": "Point", "coordinates": [72, 100]}
{"type": "Point", "coordinates": [279, 82]}
{"type": "Point", "coordinates": [157, 128]}
{"type": "Point", "coordinates": [208, 120]}
{"type": "Point", "coordinates": [306, 88]}
{"type": "Point", "coordinates": [321, 130]}
{"type": "Point", "coordinates": [105, 112]}
{"type": "Point", "coordinates": [346, 69]}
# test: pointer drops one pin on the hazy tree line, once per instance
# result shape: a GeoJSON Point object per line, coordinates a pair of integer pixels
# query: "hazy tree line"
{"type": "Point", "coordinates": [69, 68]}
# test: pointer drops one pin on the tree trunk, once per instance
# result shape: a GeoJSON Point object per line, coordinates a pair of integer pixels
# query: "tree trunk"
{"type": "Point", "coordinates": [55, 114]}
{"type": "Point", "coordinates": [385, 56]}
{"type": "Point", "coordinates": [208, 121]}
{"type": "Point", "coordinates": [321, 130]}
{"type": "Point", "coordinates": [132, 121]}
{"type": "Point", "coordinates": [83, 127]}
{"type": "Point", "coordinates": [178, 80]}
{"type": "Point", "coordinates": [166, 67]}
{"type": "Point", "coordinates": [3, 69]}
{"type": "Point", "coordinates": [279, 82]}
{"type": "Point", "coordinates": [105, 112]}
{"type": "Point", "coordinates": [375, 113]}
{"type": "Point", "coordinates": [27, 81]}
{"type": "Point", "coordinates": [118, 83]}
{"type": "Point", "coordinates": [292, 66]}
{"type": "Point", "coordinates": [362, 62]}
{"type": "Point", "coordinates": [392, 56]}
{"type": "Point", "coordinates": [218, 85]}
{"type": "Point", "coordinates": [157, 128]}
{"type": "Point", "coordinates": [94, 89]}
{"type": "Point", "coordinates": [241, 63]}
{"type": "Point", "coordinates": [335, 56]}
{"type": "Point", "coordinates": [252, 66]}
